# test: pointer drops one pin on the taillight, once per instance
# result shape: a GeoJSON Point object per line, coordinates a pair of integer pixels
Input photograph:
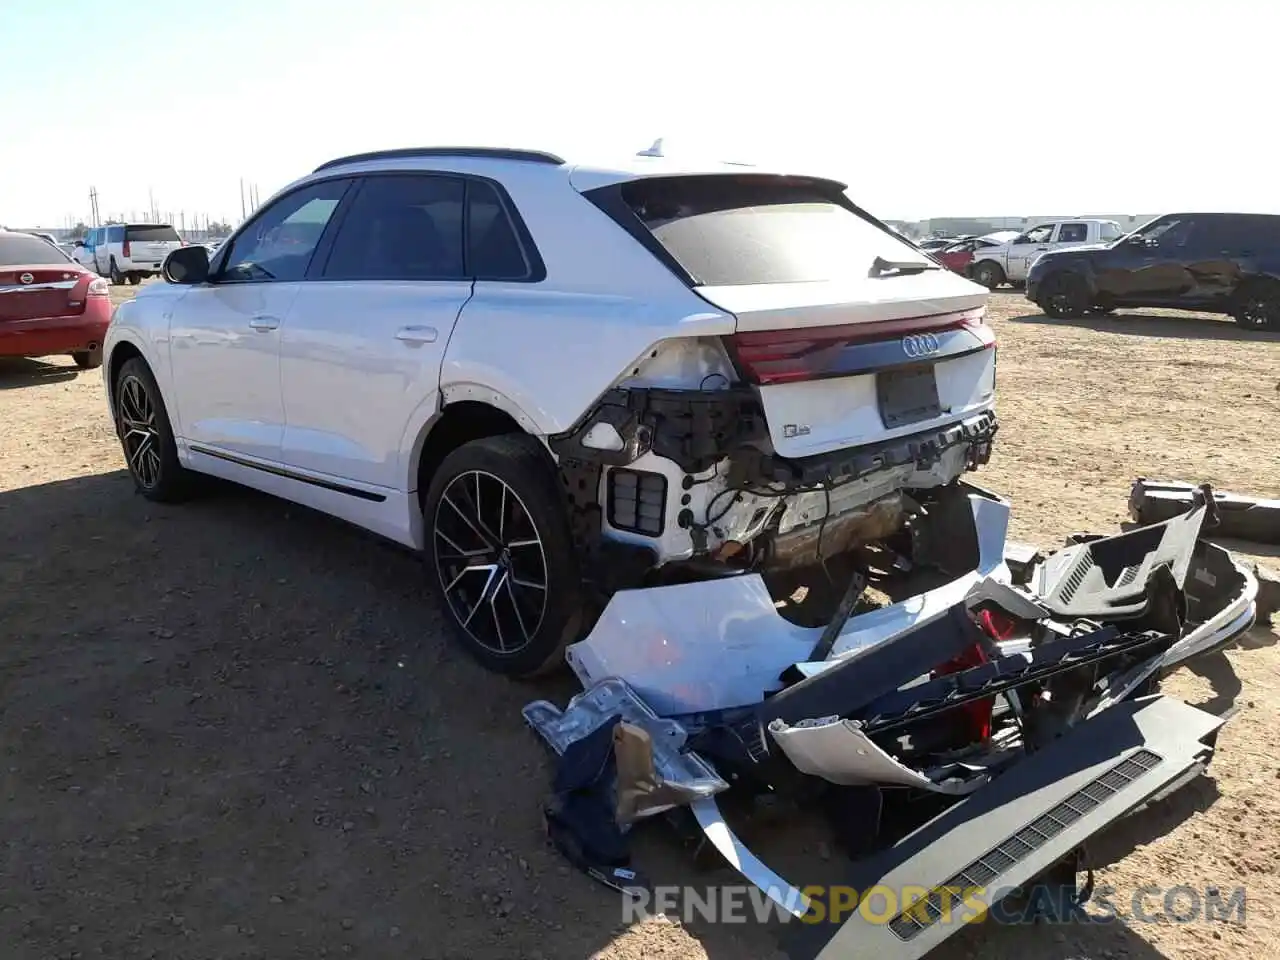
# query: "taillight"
{"type": "Point", "coordinates": [808, 353]}
{"type": "Point", "coordinates": [98, 287]}
{"type": "Point", "coordinates": [125, 251]}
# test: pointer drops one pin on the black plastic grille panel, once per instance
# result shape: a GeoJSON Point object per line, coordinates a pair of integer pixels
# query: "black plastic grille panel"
{"type": "Point", "coordinates": [998, 860]}
{"type": "Point", "coordinates": [637, 501]}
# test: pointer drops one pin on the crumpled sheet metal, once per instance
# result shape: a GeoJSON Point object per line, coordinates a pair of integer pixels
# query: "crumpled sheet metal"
{"type": "Point", "coordinates": [839, 752]}
{"type": "Point", "coordinates": [720, 644]}
{"type": "Point", "coordinates": [685, 771]}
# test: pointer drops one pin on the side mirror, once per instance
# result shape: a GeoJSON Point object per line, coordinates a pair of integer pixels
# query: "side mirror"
{"type": "Point", "coordinates": [188, 265]}
{"type": "Point", "coordinates": [1137, 242]}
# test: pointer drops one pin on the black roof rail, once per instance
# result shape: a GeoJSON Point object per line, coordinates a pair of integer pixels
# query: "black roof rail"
{"type": "Point", "coordinates": [488, 153]}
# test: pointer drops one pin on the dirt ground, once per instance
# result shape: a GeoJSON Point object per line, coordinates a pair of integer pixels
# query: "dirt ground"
{"type": "Point", "coordinates": [233, 728]}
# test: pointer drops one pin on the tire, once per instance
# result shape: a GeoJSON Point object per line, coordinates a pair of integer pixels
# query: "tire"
{"type": "Point", "coordinates": [1064, 296]}
{"type": "Point", "coordinates": [88, 359]}
{"type": "Point", "coordinates": [531, 544]}
{"type": "Point", "coordinates": [134, 279]}
{"type": "Point", "coordinates": [1257, 307]}
{"type": "Point", "coordinates": [989, 274]}
{"type": "Point", "coordinates": [114, 273]}
{"type": "Point", "coordinates": [146, 436]}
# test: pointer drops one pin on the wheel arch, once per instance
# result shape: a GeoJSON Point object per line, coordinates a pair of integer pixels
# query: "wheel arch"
{"type": "Point", "coordinates": [121, 353]}
{"type": "Point", "coordinates": [457, 423]}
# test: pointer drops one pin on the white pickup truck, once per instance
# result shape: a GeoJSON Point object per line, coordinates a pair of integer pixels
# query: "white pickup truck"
{"type": "Point", "coordinates": [1009, 262]}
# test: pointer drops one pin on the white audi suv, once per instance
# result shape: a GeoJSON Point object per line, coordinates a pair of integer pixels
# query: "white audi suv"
{"type": "Point", "coordinates": [560, 380]}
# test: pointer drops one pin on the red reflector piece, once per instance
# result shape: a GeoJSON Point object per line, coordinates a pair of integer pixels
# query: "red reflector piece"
{"type": "Point", "coordinates": [997, 625]}
{"type": "Point", "coordinates": [978, 713]}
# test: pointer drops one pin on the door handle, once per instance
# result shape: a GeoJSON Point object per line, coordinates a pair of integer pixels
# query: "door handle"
{"type": "Point", "coordinates": [1041, 249]}
{"type": "Point", "coordinates": [417, 334]}
{"type": "Point", "coordinates": [264, 323]}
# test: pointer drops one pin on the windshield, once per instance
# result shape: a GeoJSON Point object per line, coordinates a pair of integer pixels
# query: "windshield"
{"type": "Point", "coordinates": [730, 231]}
{"type": "Point", "coordinates": [23, 250]}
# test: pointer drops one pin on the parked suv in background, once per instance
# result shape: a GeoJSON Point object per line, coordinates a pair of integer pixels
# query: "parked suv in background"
{"type": "Point", "coordinates": [557, 381]}
{"type": "Point", "coordinates": [1211, 262]}
{"type": "Point", "coordinates": [127, 251]}
{"type": "Point", "coordinates": [1009, 262]}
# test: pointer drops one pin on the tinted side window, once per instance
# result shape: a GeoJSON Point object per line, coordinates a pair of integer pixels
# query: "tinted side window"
{"type": "Point", "coordinates": [279, 243]}
{"type": "Point", "coordinates": [1252, 234]}
{"type": "Point", "coordinates": [115, 234]}
{"type": "Point", "coordinates": [1073, 233]}
{"type": "Point", "coordinates": [494, 251]}
{"type": "Point", "coordinates": [405, 227]}
{"type": "Point", "coordinates": [1170, 233]}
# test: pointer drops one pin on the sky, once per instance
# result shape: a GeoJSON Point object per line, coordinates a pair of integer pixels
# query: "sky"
{"type": "Point", "coordinates": [924, 107]}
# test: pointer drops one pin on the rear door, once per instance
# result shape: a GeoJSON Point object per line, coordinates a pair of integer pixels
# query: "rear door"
{"type": "Point", "coordinates": [147, 244]}
{"type": "Point", "coordinates": [851, 335]}
{"type": "Point", "coordinates": [110, 247]}
{"type": "Point", "coordinates": [1152, 268]}
{"type": "Point", "coordinates": [363, 345]}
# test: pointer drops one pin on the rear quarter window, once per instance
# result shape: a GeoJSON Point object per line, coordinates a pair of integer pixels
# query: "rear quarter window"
{"type": "Point", "coordinates": [737, 230]}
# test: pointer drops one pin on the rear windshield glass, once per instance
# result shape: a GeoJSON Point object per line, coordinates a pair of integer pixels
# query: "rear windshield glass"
{"type": "Point", "coordinates": [151, 233]}
{"type": "Point", "coordinates": [725, 231]}
{"type": "Point", "coordinates": [18, 250]}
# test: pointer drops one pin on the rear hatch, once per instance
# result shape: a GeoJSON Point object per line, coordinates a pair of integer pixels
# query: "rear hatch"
{"type": "Point", "coordinates": [37, 280]}
{"type": "Point", "coordinates": [149, 243]}
{"type": "Point", "coordinates": [851, 334]}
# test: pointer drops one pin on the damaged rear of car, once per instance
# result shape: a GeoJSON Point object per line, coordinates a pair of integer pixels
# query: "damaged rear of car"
{"type": "Point", "coordinates": [963, 742]}
{"type": "Point", "coordinates": [856, 372]}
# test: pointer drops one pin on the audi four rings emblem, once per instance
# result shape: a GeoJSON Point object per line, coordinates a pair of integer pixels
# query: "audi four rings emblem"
{"type": "Point", "coordinates": [918, 345]}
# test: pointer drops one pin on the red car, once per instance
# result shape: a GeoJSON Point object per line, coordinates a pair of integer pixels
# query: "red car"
{"type": "Point", "coordinates": [958, 254]}
{"type": "Point", "coordinates": [49, 303]}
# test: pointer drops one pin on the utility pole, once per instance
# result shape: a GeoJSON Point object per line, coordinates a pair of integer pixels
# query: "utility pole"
{"type": "Point", "coordinates": [242, 210]}
{"type": "Point", "coordinates": [93, 207]}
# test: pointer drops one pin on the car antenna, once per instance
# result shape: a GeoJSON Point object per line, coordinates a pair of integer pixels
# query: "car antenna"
{"type": "Point", "coordinates": [653, 151]}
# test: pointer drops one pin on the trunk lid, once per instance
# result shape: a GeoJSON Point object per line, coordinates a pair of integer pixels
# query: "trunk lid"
{"type": "Point", "coordinates": [845, 364]}
{"type": "Point", "coordinates": [32, 292]}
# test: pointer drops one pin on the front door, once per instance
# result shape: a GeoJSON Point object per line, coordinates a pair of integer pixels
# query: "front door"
{"type": "Point", "coordinates": [225, 334]}
{"type": "Point", "coordinates": [1024, 250]}
{"type": "Point", "coordinates": [364, 343]}
{"type": "Point", "coordinates": [1150, 268]}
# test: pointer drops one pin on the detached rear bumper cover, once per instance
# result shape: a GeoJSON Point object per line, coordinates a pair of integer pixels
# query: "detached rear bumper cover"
{"type": "Point", "coordinates": [692, 651]}
{"type": "Point", "coordinates": [720, 644]}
